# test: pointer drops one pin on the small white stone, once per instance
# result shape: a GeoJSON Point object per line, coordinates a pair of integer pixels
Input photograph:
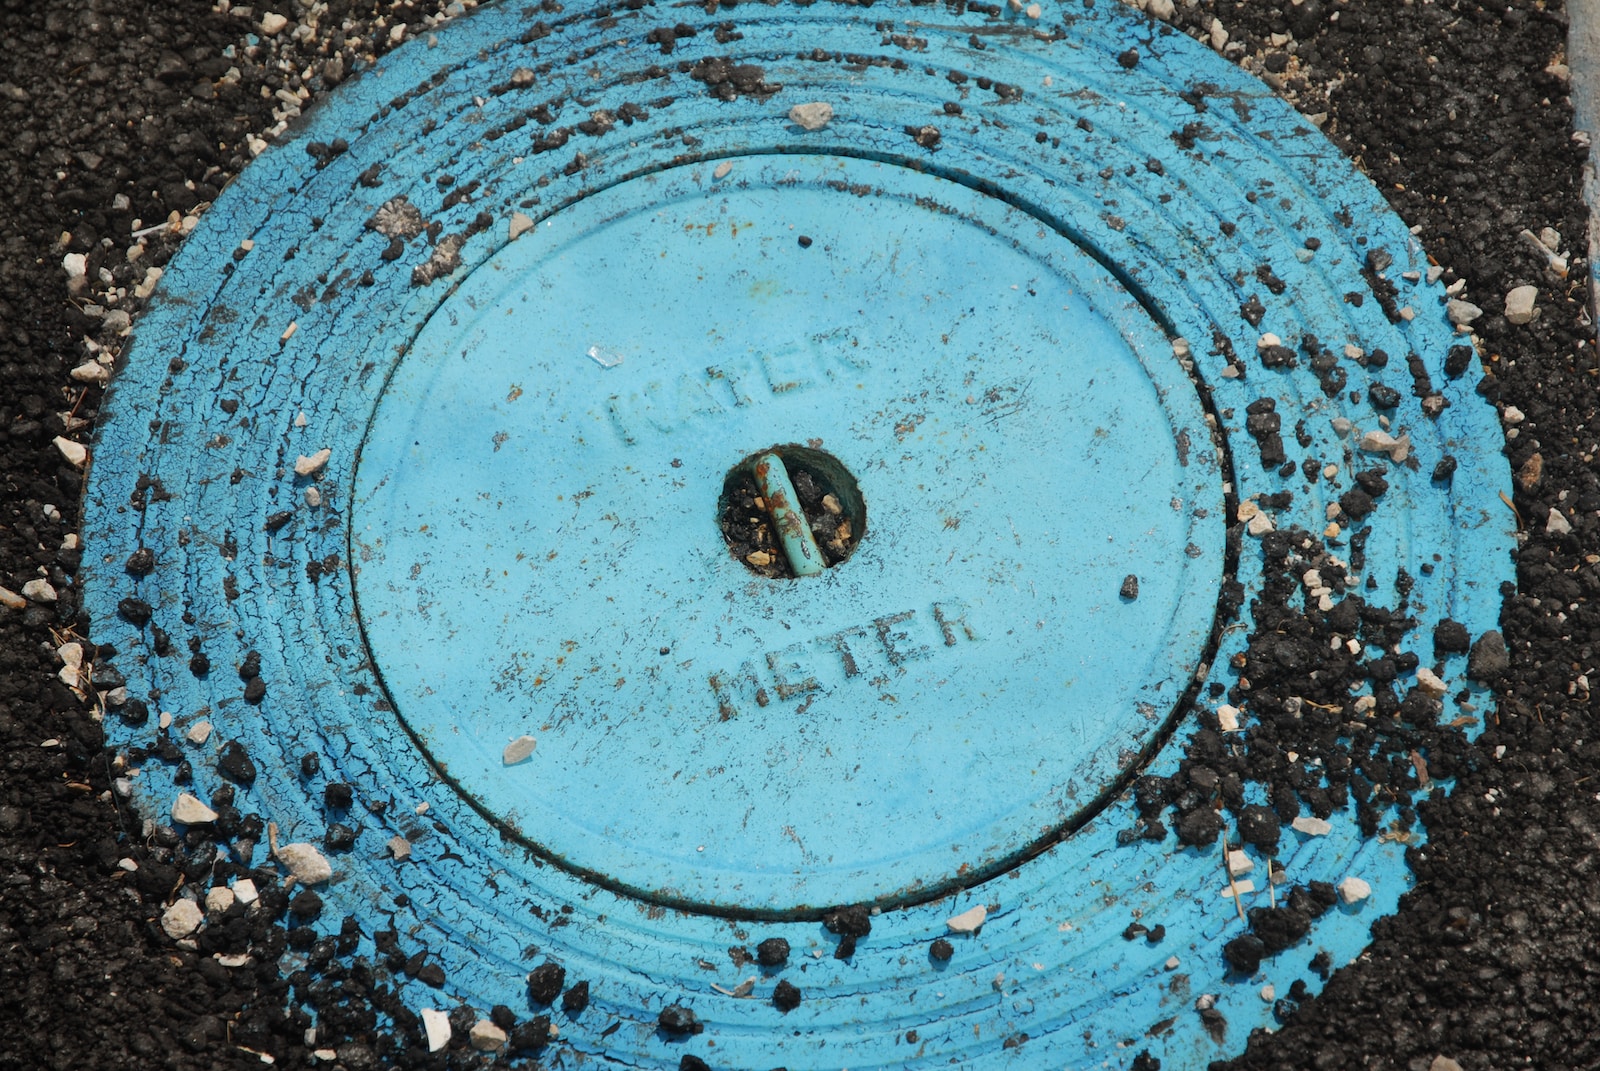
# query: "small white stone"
{"type": "Point", "coordinates": [76, 265]}
{"type": "Point", "coordinates": [1161, 9]}
{"type": "Point", "coordinates": [75, 453]}
{"type": "Point", "coordinates": [71, 654]}
{"type": "Point", "coordinates": [1512, 415]}
{"type": "Point", "coordinates": [436, 1024]}
{"type": "Point", "coordinates": [1239, 862]}
{"type": "Point", "coordinates": [1366, 704]}
{"type": "Point", "coordinates": [520, 224]}
{"type": "Point", "coordinates": [1218, 35]}
{"type": "Point", "coordinates": [723, 169]}
{"type": "Point", "coordinates": [1241, 887]}
{"type": "Point", "coordinates": [11, 600]}
{"type": "Point", "coordinates": [813, 116]}
{"type": "Point", "coordinates": [1311, 827]}
{"type": "Point", "coordinates": [39, 591]}
{"type": "Point", "coordinates": [310, 466]}
{"type": "Point", "coordinates": [301, 420]}
{"type": "Point", "coordinates": [1172, 963]}
{"type": "Point", "coordinates": [1381, 442]}
{"type": "Point", "coordinates": [199, 732]}
{"type": "Point", "coordinates": [1443, 1063]}
{"type": "Point", "coordinates": [1461, 312]}
{"type": "Point", "coordinates": [188, 810]}
{"type": "Point", "coordinates": [400, 848]}
{"type": "Point", "coordinates": [244, 891]}
{"type": "Point", "coordinates": [272, 23]}
{"type": "Point", "coordinates": [1268, 993]}
{"type": "Point", "coordinates": [165, 720]}
{"type": "Point", "coordinates": [968, 921]}
{"type": "Point", "coordinates": [486, 1037]}
{"type": "Point", "coordinates": [518, 750]}
{"type": "Point", "coordinates": [1556, 524]}
{"type": "Point", "coordinates": [238, 960]}
{"type": "Point", "coordinates": [1259, 525]}
{"type": "Point", "coordinates": [92, 372]}
{"type": "Point", "coordinates": [182, 919]}
{"type": "Point", "coordinates": [313, 497]}
{"type": "Point", "coordinates": [219, 899]}
{"type": "Point", "coordinates": [1033, 11]}
{"type": "Point", "coordinates": [1228, 718]}
{"type": "Point", "coordinates": [306, 863]}
{"type": "Point", "coordinates": [1354, 890]}
{"type": "Point", "coordinates": [1430, 683]}
{"type": "Point", "coordinates": [1520, 307]}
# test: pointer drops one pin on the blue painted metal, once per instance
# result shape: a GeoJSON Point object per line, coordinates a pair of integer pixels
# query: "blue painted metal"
{"type": "Point", "coordinates": [799, 545]}
{"type": "Point", "coordinates": [495, 494]}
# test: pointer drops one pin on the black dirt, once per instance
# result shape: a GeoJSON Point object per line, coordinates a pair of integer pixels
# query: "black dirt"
{"type": "Point", "coordinates": [773, 952]}
{"type": "Point", "coordinates": [677, 1021]}
{"type": "Point", "coordinates": [545, 982]}
{"type": "Point", "coordinates": [786, 996]}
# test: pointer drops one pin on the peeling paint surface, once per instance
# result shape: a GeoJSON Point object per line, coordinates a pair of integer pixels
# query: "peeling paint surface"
{"type": "Point", "coordinates": [492, 495]}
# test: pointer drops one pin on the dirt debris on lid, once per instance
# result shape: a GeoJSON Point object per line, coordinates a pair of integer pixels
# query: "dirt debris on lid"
{"type": "Point", "coordinates": [812, 116]}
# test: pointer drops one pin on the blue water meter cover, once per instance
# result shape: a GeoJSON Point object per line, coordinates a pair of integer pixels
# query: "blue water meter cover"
{"type": "Point", "coordinates": [612, 495]}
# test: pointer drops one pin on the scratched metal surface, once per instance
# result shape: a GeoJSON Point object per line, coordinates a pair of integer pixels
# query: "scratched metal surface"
{"type": "Point", "coordinates": [412, 622]}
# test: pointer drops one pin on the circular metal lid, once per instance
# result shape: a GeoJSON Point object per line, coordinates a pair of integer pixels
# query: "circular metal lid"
{"type": "Point", "coordinates": [537, 550]}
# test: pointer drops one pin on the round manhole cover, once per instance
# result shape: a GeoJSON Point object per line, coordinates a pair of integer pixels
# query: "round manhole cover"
{"type": "Point", "coordinates": [608, 497]}
{"type": "Point", "coordinates": [537, 554]}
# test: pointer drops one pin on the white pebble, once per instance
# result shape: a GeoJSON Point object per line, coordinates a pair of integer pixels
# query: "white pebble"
{"type": "Point", "coordinates": [1461, 312]}
{"type": "Point", "coordinates": [199, 732]}
{"type": "Point", "coordinates": [1430, 683]}
{"type": "Point", "coordinates": [182, 919]}
{"type": "Point", "coordinates": [1354, 890]}
{"type": "Point", "coordinates": [400, 848]}
{"type": "Point", "coordinates": [220, 899]}
{"type": "Point", "coordinates": [273, 23]}
{"type": "Point", "coordinates": [76, 265]}
{"type": "Point", "coordinates": [1161, 9]}
{"type": "Point", "coordinates": [1520, 307]}
{"type": "Point", "coordinates": [11, 600]}
{"type": "Point", "coordinates": [1218, 35]}
{"type": "Point", "coordinates": [518, 750]}
{"type": "Point", "coordinates": [486, 1037]}
{"type": "Point", "coordinates": [92, 372]}
{"type": "Point", "coordinates": [188, 810]}
{"type": "Point", "coordinates": [722, 170]}
{"type": "Point", "coordinates": [306, 863]}
{"type": "Point", "coordinates": [1512, 415]}
{"type": "Point", "coordinates": [1240, 887]}
{"type": "Point", "coordinates": [1268, 993]}
{"type": "Point", "coordinates": [813, 116]}
{"type": "Point", "coordinates": [968, 921]}
{"type": "Point", "coordinates": [1259, 525]}
{"type": "Point", "coordinates": [437, 1026]}
{"type": "Point", "coordinates": [1228, 718]}
{"type": "Point", "coordinates": [1556, 524]}
{"type": "Point", "coordinates": [1311, 827]}
{"type": "Point", "coordinates": [39, 591]}
{"type": "Point", "coordinates": [1239, 862]}
{"type": "Point", "coordinates": [310, 466]}
{"type": "Point", "coordinates": [313, 497]}
{"type": "Point", "coordinates": [75, 453]}
{"type": "Point", "coordinates": [244, 891]}
{"type": "Point", "coordinates": [520, 224]}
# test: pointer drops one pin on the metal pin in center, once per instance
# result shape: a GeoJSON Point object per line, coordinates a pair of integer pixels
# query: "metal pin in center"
{"type": "Point", "coordinates": [805, 558]}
